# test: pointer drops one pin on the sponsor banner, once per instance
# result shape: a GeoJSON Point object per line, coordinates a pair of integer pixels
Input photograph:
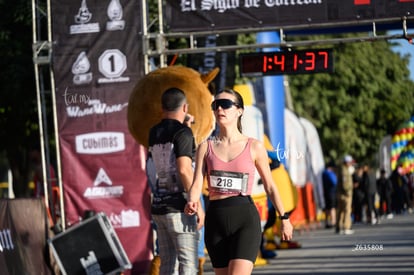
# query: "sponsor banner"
{"type": "Point", "coordinates": [23, 237]}
{"type": "Point", "coordinates": [236, 14]}
{"type": "Point", "coordinates": [97, 59]}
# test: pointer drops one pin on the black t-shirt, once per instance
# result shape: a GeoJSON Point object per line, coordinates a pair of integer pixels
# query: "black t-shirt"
{"type": "Point", "coordinates": [168, 141]}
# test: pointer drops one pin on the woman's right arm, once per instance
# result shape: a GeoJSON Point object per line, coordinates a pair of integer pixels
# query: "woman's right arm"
{"type": "Point", "coordinates": [197, 185]}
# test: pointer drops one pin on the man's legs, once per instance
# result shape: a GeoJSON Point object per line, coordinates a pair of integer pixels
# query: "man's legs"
{"type": "Point", "coordinates": [185, 237]}
{"type": "Point", "coordinates": [166, 248]}
{"type": "Point", "coordinates": [340, 224]}
{"type": "Point", "coordinates": [332, 214]}
{"type": "Point", "coordinates": [347, 215]}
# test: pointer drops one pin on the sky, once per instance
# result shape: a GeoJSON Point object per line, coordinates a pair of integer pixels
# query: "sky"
{"type": "Point", "coordinates": [406, 48]}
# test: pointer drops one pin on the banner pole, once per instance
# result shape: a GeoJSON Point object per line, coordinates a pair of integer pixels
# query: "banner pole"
{"type": "Point", "coordinates": [39, 95]}
{"type": "Point", "coordinates": [145, 41]}
{"type": "Point", "coordinates": [160, 39]}
{"type": "Point", "coordinates": [56, 128]}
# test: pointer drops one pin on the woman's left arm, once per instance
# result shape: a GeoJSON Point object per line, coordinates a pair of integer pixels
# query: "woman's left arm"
{"type": "Point", "coordinates": [261, 159]}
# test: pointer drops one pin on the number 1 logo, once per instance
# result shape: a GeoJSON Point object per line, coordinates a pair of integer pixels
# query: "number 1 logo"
{"type": "Point", "coordinates": [112, 63]}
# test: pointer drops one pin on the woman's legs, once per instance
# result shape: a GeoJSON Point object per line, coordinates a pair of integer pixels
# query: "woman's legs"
{"type": "Point", "coordinates": [236, 267]}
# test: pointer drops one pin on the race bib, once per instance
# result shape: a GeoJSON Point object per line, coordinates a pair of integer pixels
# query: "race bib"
{"type": "Point", "coordinates": [228, 182]}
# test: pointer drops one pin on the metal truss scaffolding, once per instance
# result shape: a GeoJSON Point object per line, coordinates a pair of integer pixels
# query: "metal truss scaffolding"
{"type": "Point", "coordinates": [45, 89]}
{"type": "Point", "coordinates": [155, 44]}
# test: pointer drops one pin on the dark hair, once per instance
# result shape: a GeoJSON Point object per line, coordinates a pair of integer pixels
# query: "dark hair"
{"type": "Point", "coordinates": [172, 99]}
{"type": "Point", "coordinates": [331, 164]}
{"type": "Point", "coordinates": [238, 101]}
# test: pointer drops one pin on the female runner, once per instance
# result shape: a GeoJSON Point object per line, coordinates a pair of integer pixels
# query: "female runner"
{"type": "Point", "coordinates": [232, 223]}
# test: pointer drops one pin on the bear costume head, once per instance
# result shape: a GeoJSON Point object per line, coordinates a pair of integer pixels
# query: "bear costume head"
{"type": "Point", "coordinates": [144, 106]}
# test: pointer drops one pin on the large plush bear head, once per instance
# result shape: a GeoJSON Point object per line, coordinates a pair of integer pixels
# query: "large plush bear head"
{"type": "Point", "coordinates": [144, 107]}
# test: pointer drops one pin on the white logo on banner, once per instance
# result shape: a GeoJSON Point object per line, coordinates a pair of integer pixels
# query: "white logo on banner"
{"type": "Point", "coordinates": [100, 143]}
{"type": "Point", "coordinates": [112, 64]}
{"type": "Point", "coordinates": [127, 218]}
{"type": "Point", "coordinates": [103, 191]}
{"type": "Point", "coordinates": [102, 177]}
{"type": "Point", "coordinates": [223, 6]}
{"type": "Point", "coordinates": [115, 14]}
{"type": "Point", "coordinates": [82, 18]}
{"type": "Point", "coordinates": [207, 5]}
{"type": "Point", "coordinates": [95, 106]}
{"type": "Point", "coordinates": [80, 70]}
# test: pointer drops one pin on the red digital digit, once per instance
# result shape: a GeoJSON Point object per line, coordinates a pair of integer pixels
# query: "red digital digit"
{"type": "Point", "coordinates": [264, 64]}
{"type": "Point", "coordinates": [310, 62]}
{"type": "Point", "coordinates": [325, 59]}
{"type": "Point", "coordinates": [295, 62]}
{"type": "Point", "coordinates": [280, 62]}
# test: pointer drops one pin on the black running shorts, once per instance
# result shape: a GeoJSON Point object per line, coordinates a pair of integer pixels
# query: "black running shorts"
{"type": "Point", "coordinates": [232, 230]}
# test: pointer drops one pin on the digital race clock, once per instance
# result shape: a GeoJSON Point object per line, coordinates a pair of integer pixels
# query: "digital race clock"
{"type": "Point", "coordinates": [286, 62]}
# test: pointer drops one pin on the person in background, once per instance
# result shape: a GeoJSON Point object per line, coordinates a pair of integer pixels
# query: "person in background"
{"type": "Point", "coordinates": [401, 199]}
{"type": "Point", "coordinates": [384, 186]}
{"type": "Point", "coordinates": [344, 197]}
{"type": "Point", "coordinates": [358, 194]}
{"type": "Point", "coordinates": [406, 189]}
{"type": "Point", "coordinates": [370, 188]}
{"type": "Point", "coordinates": [229, 160]}
{"type": "Point", "coordinates": [36, 162]}
{"type": "Point", "coordinates": [330, 181]}
{"type": "Point", "coordinates": [170, 156]}
{"type": "Point", "coordinates": [410, 178]}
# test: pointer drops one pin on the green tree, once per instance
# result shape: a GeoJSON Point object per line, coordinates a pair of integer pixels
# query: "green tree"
{"type": "Point", "coordinates": [367, 97]}
{"type": "Point", "coordinates": [18, 110]}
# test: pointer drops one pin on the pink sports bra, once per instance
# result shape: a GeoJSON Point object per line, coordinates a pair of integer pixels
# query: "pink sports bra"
{"type": "Point", "coordinates": [232, 178]}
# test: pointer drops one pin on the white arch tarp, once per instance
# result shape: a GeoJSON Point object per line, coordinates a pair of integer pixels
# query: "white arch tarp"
{"type": "Point", "coordinates": [295, 149]}
{"type": "Point", "coordinates": [316, 162]}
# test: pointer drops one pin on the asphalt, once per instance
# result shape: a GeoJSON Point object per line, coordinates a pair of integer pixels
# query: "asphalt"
{"type": "Point", "coordinates": [385, 248]}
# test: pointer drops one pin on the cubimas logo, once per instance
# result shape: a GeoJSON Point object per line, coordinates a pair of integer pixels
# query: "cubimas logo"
{"type": "Point", "coordinates": [102, 187]}
{"type": "Point", "coordinates": [100, 143]}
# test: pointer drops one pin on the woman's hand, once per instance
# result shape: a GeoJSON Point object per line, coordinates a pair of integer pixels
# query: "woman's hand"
{"type": "Point", "coordinates": [191, 208]}
{"type": "Point", "coordinates": [200, 218]}
{"type": "Point", "coordinates": [287, 230]}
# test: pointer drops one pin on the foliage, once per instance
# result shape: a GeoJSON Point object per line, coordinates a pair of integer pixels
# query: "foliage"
{"type": "Point", "coordinates": [366, 98]}
{"type": "Point", "coordinates": [18, 111]}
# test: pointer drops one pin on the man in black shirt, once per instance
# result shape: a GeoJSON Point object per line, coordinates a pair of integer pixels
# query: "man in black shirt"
{"type": "Point", "coordinates": [171, 153]}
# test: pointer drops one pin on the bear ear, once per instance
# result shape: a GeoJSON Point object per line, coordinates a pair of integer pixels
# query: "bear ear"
{"type": "Point", "coordinates": [208, 77]}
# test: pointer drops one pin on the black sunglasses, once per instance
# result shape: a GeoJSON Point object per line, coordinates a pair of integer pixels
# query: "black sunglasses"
{"type": "Point", "coordinates": [223, 103]}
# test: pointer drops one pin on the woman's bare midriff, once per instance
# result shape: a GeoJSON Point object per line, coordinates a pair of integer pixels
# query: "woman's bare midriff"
{"type": "Point", "coordinates": [222, 196]}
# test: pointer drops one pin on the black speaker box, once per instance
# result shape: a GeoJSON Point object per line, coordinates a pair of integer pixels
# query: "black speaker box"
{"type": "Point", "coordinates": [90, 247]}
